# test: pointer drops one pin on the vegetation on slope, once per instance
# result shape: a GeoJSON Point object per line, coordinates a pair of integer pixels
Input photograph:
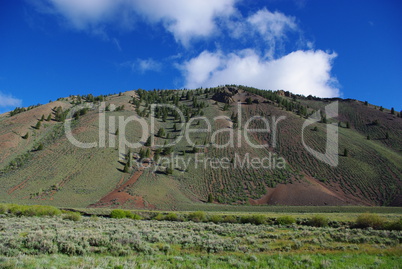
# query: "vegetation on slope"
{"type": "Point", "coordinates": [62, 174]}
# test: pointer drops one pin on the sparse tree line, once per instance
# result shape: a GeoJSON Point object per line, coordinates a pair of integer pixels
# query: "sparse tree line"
{"type": "Point", "coordinates": [18, 110]}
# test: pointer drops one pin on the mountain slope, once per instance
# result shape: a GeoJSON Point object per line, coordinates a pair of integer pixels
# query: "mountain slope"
{"type": "Point", "coordinates": [65, 175]}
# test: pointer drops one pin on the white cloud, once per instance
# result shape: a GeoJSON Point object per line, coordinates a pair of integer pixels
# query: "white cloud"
{"type": "Point", "coordinates": [7, 100]}
{"type": "Point", "coordinates": [272, 24]}
{"type": "Point", "coordinates": [302, 72]}
{"type": "Point", "coordinates": [268, 30]}
{"type": "Point", "coordinates": [184, 19]}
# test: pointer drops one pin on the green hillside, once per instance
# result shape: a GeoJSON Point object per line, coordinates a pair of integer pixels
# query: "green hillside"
{"type": "Point", "coordinates": [46, 168]}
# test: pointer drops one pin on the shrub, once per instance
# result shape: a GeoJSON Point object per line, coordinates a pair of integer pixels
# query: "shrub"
{"type": "Point", "coordinates": [40, 147]}
{"type": "Point", "coordinates": [395, 225]}
{"type": "Point", "coordinates": [34, 210]}
{"type": "Point", "coordinates": [198, 216]}
{"type": "Point", "coordinates": [74, 216]}
{"type": "Point", "coordinates": [318, 221]}
{"type": "Point", "coordinates": [172, 217]}
{"type": "Point", "coordinates": [367, 220]}
{"type": "Point", "coordinates": [158, 216]}
{"type": "Point", "coordinates": [253, 219]}
{"type": "Point", "coordinates": [229, 219]}
{"type": "Point", "coordinates": [3, 209]}
{"type": "Point", "coordinates": [118, 214]}
{"type": "Point", "coordinates": [121, 214]}
{"type": "Point", "coordinates": [41, 210]}
{"type": "Point", "coordinates": [131, 215]}
{"type": "Point", "coordinates": [285, 220]}
{"type": "Point", "coordinates": [216, 218]}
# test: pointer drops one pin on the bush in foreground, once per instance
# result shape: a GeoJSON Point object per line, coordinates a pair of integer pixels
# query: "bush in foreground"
{"type": "Point", "coordinates": [367, 220]}
{"type": "Point", "coordinates": [3, 209]}
{"type": "Point", "coordinates": [121, 214]}
{"type": "Point", "coordinates": [394, 225]}
{"type": "Point", "coordinates": [285, 220]}
{"type": "Point", "coordinates": [33, 210]}
{"type": "Point", "coordinates": [318, 221]}
{"type": "Point", "coordinates": [172, 217]}
{"type": "Point", "coordinates": [198, 216]}
{"type": "Point", "coordinates": [253, 219]}
{"type": "Point", "coordinates": [74, 216]}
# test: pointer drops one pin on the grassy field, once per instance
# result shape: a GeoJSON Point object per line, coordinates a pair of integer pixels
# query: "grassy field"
{"type": "Point", "coordinates": [63, 241]}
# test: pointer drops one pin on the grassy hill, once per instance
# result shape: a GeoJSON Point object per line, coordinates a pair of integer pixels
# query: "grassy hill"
{"type": "Point", "coordinates": [44, 167]}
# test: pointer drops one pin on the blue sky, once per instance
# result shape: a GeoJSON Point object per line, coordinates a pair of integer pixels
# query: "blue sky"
{"type": "Point", "coordinates": [55, 48]}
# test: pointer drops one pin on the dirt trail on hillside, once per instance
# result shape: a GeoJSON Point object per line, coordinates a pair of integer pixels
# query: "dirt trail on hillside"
{"type": "Point", "coordinates": [120, 197]}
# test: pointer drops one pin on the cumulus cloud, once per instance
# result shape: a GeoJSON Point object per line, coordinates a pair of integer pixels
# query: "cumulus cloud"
{"type": "Point", "coordinates": [272, 24]}
{"type": "Point", "coordinates": [267, 29]}
{"type": "Point", "coordinates": [184, 19]}
{"type": "Point", "coordinates": [7, 100]}
{"type": "Point", "coordinates": [302, 72]}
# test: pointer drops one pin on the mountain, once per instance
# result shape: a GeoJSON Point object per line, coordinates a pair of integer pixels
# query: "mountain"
{"type": "Point", "coordinates": [216, 160]}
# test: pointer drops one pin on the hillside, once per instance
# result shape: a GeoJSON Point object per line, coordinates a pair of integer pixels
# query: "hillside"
{"type": "Point", "coordinates": [46, 168]}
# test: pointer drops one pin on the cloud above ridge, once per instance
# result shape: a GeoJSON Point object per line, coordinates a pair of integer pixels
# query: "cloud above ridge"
{"type": "Point", "coordinates": [301, 72]}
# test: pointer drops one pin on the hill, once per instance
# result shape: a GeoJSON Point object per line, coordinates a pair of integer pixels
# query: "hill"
{"type": "Point", "coordinates": [221, 165]}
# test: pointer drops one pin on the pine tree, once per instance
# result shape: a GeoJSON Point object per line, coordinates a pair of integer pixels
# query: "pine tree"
{"type": "Point", "coordinates": [26, 136]}
{"type": "Point", "coordinates": [42, 118]}
{"type": "Point", "coordinates": [161, 132]}
{"type": "Point", "coordinates": [210, 198]}
{"type": "Point", "coordinates": [49, 117]}
{"type": "Point", "coordinates": [148, 142]}
{"type": "Point", "coordinates": [386, 135]}
{"type": "Point", "coordinates": [156, 156]}
{"type": "Point", "coordinates": [368, 137]}
{"type": "Point", "coordinates": [167, 150]}
{"type": "Point", "coordinates": [129, 157]}
{"type": "Point", "coordinates": [126, 168]}
{"type": "Point", "coordinates": [348, 125]}
{"type": "Point", "coordinates": [392, 111]}
{"type": "Point", "coordinates": [169, 170]}
{"type": "Point", "coordinates": [142, 153]}
{"type": "Point", "coordinates": [345, 152]}
{"type": "Point", "coordinates": [40, 147]}
{"type": "Point", "coordinates": [37, 126]}
{"type": "Point", "coordinates": [147, 153]}
{"type": "Point", "coordinates": [117, 132]}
